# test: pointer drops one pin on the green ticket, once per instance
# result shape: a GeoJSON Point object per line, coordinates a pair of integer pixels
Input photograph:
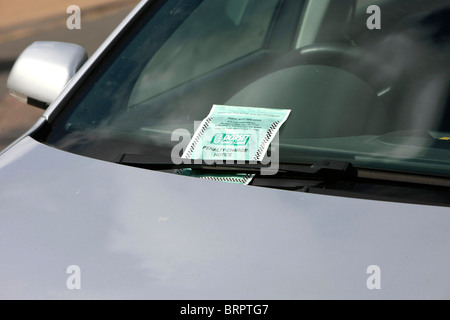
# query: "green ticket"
{"type": "Point", "coordinates": [233, 133]}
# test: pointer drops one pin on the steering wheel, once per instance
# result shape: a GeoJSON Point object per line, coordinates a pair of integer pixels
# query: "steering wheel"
{"type": "Point", "coordinates": [355, 60]}
{"type": "Point", "coordinates": [327, 89]}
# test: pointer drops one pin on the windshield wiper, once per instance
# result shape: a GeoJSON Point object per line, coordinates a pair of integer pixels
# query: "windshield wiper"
{"type": "Point", "coordinates": [299, 175]}
{"type": "Point", "coordinates": [324, 168]}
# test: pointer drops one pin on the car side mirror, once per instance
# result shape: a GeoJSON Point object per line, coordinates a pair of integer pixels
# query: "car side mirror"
{"type": "Point", "coordinates": [42, 71]}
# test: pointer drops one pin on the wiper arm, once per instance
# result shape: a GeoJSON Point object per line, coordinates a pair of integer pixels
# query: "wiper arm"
{"type": "Point", "coordinates": [324, 168]}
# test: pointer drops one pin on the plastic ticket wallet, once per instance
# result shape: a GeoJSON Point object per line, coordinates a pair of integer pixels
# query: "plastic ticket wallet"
{"type": "Point", "coordinates": [233, 133]}
{"type": "Point", "coordinates": [239, 178]}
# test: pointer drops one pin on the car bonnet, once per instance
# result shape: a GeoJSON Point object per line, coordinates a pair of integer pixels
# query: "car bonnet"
{"type": "Point", "coordinates": [135, 233]}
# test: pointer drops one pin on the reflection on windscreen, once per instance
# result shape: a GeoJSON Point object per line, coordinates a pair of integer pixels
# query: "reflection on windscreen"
{"type": "Point", "coordinates": [379, 97]}
{"type": "Point", "coordinates": [216, 33]}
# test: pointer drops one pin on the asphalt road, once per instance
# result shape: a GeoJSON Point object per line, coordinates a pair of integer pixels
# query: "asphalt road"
{"type": "Point", "coordinates": [96, 24]}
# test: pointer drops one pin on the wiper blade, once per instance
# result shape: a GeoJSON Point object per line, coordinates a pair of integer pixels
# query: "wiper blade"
{"type": "Point", "coordinates": [324, 168]}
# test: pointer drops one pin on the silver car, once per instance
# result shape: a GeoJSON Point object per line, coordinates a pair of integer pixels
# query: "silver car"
{"type": "Point", "coordinates": [130, 187]}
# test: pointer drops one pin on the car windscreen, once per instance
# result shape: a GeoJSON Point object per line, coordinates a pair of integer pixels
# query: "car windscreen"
{"type": "Point", "coordinates": [366, 81]}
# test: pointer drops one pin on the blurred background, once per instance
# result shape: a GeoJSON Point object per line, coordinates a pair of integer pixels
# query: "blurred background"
{"type": "Point", "coordinates": [25, 21]}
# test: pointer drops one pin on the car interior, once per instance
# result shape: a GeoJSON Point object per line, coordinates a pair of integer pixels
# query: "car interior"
{"type": "Point", "coordinates": [293, 74]}
{"type": "Point", "coordinates": [317, 58]}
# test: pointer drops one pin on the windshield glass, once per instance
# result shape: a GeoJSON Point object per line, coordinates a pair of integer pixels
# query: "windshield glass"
{"type": "Point", "coordinates": [366, 81]}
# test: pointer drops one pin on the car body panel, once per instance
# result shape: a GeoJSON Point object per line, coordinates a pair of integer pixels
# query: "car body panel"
{"type": "Point", "coordinates": [137, 233]}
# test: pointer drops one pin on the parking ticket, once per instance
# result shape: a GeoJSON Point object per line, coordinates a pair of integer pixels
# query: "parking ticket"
{"type": "Point", "coordinates": [233, 133]}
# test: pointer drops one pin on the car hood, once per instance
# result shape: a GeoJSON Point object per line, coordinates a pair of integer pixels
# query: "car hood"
{"type": "Point", "coordinates": [137, 233]}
